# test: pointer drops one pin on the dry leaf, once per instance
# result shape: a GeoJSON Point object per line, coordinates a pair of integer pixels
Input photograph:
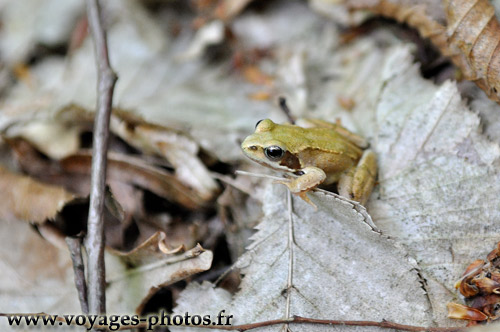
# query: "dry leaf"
{"type": "Point", "coordinates": [335, 251]}
{"type": "Point", "coordinates": [473, 30]}
{"type": "Point", "coordinates": [469, 37]}
{"type": "Point", "coordinates": [180, 150]}
{"type": "Point", "coordinates": [27, 199]}
{"type": "Point", "coordinates": [438, 192]}
{"type": "Point", "coordinates": [151, 250]}
{"type": "Point", "coordinates": [480, 285]}
{"type": "Point", "coordinates": [438, 182]}
{"type": "Point", "coordinates": [133, 170]}
{"type": "Point", "coordinates": [72, 173]}
{"type": "Point", "coordinates": [131, 286]}
{"type": "Point", "coordinates": [51, 137]}
{"type": "Point", "coordinates": [59, 137]}
{"type": "Point", "coordinates": [459, 311]}
{"type": "Point", "coordinates": [153, 83]}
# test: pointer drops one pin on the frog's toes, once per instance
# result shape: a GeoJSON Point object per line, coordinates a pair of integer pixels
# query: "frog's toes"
{"type": "Point", "coordinates": [306, 199]}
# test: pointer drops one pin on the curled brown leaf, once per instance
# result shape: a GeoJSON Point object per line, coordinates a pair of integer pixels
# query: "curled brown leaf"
{"type": "Point", "coordinates": [27, 199]}
{"type": "Point", "coordinates": [474, 31]}
{"type": "Point", "coordinates": [470, 37]}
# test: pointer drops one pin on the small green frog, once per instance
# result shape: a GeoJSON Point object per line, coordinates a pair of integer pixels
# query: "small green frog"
{"type": "Point", "coordinates": [325, 153]}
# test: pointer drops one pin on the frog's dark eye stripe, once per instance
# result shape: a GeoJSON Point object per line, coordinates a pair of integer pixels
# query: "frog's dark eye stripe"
{"type": "Point", "coordinates": [274, 152]}
{"type": "Point", "coordinates": [258, 123]}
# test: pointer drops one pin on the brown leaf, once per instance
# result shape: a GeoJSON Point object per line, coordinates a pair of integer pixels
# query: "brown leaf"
{"type": "Point", "coordinates": [180, 150]}
{"type": "Point", "coordinates": [460, 311]}
{"type": "Point", "coordinates": [474, 31]}
{"type": "Point", "coordinates": [27, 199]}
{"type": "Point", "coordinates": [414, 14]}
{"type": "Point", "coordinates": [469, 39]}
{"type": "Point", "coordinates": [135, 171]}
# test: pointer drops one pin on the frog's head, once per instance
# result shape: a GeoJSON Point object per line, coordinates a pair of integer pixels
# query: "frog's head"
{"type": "Point", "coordinates": [264, 147]}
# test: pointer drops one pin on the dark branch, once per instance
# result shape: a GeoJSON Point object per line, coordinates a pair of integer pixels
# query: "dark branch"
{"type": "Point", "coordinates": [75, 249]}
{"type": "Point", "coordinates": [95, 227]}
{"type": "Point", "coordinates": [286, 110]}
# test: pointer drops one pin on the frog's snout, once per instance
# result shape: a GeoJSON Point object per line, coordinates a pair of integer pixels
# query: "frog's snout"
{"type": "Point", "coordinates": [248, 144]}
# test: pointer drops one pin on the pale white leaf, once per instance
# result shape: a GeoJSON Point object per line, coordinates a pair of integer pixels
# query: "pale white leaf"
{"type": "Point", "coordinates": [342, 269]}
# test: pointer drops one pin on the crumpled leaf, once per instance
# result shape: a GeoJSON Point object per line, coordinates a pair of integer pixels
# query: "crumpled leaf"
{"type": "Point", "coordinates": [135, 171]}
{"type": "Point", "coordinates": [175, 146]}
{"type": "Point", "coordinates": [58, 136]}
{"type": "Point", "coordinates": [335, 251]}
{"type": "Point", "coordinates": [27, 199]}
{"type": "Point", "coordinates": [135, 276]}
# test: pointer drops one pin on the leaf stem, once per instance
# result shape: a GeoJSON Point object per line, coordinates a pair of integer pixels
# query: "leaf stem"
{"type": "Point", "coordinates": [291, 240]}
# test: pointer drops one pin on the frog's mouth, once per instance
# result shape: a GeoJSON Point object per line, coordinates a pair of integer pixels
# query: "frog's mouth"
{"type": "Point", "coordinates": [288, 163]}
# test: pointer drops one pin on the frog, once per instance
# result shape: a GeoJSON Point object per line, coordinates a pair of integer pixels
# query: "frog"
{"type": "Point", "coordinates": [312, 154]}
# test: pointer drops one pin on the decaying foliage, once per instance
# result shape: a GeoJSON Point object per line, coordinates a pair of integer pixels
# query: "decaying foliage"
{"type": "Point", "coordinates": [480, 285]}
{"type": "Point", "coordinates": [436, 194]}
{"type": "Point", "coordinates": [334, 226]}
{"type": "Point", "coordinates": [30, 200]}
{"type": "Point", "coordinates": [473, 28]}
{"type": "Point", "coordinates": [470, 36]}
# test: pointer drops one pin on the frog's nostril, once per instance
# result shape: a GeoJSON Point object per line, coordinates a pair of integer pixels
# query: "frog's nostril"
{"type": "Point", "coordinates": [252, 147]}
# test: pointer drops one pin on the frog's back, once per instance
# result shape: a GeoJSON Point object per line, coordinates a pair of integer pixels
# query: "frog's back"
{"type": "Point", "coordinates": [325, 139]}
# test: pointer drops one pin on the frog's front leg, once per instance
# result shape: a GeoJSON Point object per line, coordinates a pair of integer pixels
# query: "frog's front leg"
{"type": "Point", "coordinates": [309, 178]}
{"type": "Point", "coordinates": [357, 183]}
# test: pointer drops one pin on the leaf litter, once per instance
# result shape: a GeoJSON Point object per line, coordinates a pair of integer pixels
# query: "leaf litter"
{"type": "Point", "coordinates": [336, 254]}
{"type": "Point", "coordinates": [436, 192]}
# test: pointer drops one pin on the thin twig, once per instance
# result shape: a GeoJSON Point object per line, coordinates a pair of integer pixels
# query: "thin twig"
{"type": "Point", "coordinates": [95, 227]}
{"type": "Point", "coordinates": [294, 320]}
{"type": "Point", "coordinates": [75, 250]}
{"type": "Point", "coordinates": [285, 109]}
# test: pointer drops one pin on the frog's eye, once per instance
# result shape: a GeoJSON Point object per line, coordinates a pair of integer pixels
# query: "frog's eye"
{"type": "Point", "coordinates": [258, 123]}
{"type": "Point", "coordinates": [274, 152]}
